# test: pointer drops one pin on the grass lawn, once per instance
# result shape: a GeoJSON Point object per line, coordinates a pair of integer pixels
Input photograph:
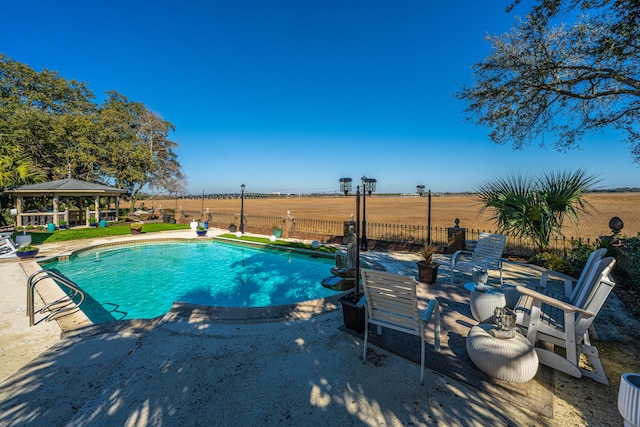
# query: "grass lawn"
{"type": "Point", "coordinates": [92, 232]}
{"type": "Point", "coordinates": [295, 245]}
{"type": "Point", "coordinates": [38, 237]}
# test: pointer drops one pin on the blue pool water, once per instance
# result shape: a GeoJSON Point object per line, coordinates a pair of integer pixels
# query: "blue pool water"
{"type": "Point", "coordinates": [142, 281]}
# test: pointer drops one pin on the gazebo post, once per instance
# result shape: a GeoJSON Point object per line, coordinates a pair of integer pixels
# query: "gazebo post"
{"type": "Point", "coordinates": [19, 210]}
{"type": "Point", "coordinates": [96, 204]}
{"type": "Point", "coordinates": [55, 210]}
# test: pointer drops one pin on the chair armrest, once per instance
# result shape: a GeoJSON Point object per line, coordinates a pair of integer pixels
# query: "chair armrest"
{"type": "Point", "coordinates": [363, 300]}
{"type": "Point", "coordinates": [568, 280]}
{"type": "Point", "coordinates": [434, 306]}
{"type": "Point", "coordinates": [460, 252]}
{"type": "Point", "coordinates": [552, 301]}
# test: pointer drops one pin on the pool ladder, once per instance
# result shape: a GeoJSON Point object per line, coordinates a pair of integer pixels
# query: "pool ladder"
{"type": "Point", "coordinates": [57, 307]}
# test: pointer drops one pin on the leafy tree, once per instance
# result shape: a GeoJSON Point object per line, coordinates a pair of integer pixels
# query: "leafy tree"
{"type": "Point", "coordinates": [536, 208]}
{"type": "Point", "coordinates": [42, 118]}
{"type": "Point", "coordinates": [50, 125]}
{"type": "Point", "coordinates": [135, 148]}
{"type": "Point", "coordinates": [560, 79]}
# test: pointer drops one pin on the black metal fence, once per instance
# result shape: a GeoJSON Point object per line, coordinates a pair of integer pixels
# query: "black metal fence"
{"type": "Point", "coordinates": [397, 234]}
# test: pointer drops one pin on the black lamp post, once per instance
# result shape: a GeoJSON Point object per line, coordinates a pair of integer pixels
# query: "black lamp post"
{"type": "Point", "coordinates": [345, 185]}
{"type": "Point", "coordinates": [242, 208]}
{"type": "Point", "coordinates": [357, 290]}
{"type": "Point", "coordinates": [421, 192]}
{"type": "Point", "coordinates": [368, 186]}
{"type": "Point", "coordinates": [429, 220]}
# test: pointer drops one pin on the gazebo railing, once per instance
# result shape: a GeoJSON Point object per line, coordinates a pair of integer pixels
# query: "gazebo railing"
{"type": "Point", "coordinates": [37, 218]}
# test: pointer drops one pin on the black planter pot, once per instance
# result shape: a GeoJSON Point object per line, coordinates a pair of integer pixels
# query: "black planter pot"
{"type": "Point", "coordinates": [427, 273]}
{"type": "Point", "coordinates": [352, 313]}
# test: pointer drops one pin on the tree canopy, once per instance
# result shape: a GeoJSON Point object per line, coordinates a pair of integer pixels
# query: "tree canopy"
{"type": "Point", "coordinates": [50, 125]}
{"type": "Point", "coordinates": [552, 80]}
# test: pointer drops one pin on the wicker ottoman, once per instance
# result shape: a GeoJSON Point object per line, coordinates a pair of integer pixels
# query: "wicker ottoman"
{"type": "Point", "coordinates": [513, 359]}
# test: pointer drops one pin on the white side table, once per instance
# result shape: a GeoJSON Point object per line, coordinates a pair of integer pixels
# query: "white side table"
{"type": "Point", "coordinates": [483, 303]}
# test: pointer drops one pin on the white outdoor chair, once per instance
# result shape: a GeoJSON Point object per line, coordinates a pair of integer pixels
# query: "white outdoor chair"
{"type": "Point", "coordinates": [391, 302]}
{"type": "Point", "coordinates": [570, 290]}
{"type": "Point", "coordinates": [550, 321]}
{"type": "Point", "coordinates": [487, 255]}
{"type": "Point", "coordinates": [7, 248]}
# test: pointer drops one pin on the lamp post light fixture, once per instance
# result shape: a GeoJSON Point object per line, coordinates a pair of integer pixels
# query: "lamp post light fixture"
{"type": "Point", "coordinates": [368, 187]}
{"type": "Point", "coordinates": [345, 185]}
{"type": "Point", "coordinates": [420, 189]}
{"type": "Point", "coordinates": [242, 186]}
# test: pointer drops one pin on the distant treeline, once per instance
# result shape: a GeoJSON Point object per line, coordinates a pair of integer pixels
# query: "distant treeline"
{"type": "Point", "coordinates": [618, 190]}
{"type": "Point", "coordinates": [338, 194]}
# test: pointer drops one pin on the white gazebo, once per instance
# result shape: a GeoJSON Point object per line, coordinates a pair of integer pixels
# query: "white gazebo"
{"type": "Point", "coordinates": [51, 192]}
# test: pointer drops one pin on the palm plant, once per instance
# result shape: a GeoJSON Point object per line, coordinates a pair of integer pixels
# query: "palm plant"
{"type": "Point", "coordinates": [536, 208]}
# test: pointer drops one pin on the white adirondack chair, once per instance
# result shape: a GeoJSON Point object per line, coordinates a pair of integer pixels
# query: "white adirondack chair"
{"type": "Point", "coordinates": [391, 302]}
{"type": "Point", "coordinates": [565, 322]}
{"type": "Point", "coordinates": [571, 291]}
{"type": "Point", "coordinates": [487, 254]}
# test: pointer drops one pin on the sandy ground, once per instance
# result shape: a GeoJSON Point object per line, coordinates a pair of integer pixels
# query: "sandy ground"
{"type": "Point", "coordinates": [188, 369]}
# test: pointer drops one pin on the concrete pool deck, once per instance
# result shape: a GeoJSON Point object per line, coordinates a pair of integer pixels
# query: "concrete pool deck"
{"type": "Point", "coordinates": [187, 369]}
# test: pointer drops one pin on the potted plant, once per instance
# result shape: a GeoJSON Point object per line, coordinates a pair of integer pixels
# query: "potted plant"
{"type": "Point", "coordinates": [277, 231]}
{"type": "Point", "coordinates": [232, 227]}
{"type": "Point", "coordinates": [352, 313]}
{"type": "Point", "coordinates": [427, 269]}
{"type": "Point", "coordinates": [136, 227]}
{"type": "Point", "coordinates": [201, 230]}
{"type": "Point", "coordinates": [62, 224]}
{"type": "Point", "coordinates": [93, 222]}
{"type": "Point", "coordinates": [27, 251]}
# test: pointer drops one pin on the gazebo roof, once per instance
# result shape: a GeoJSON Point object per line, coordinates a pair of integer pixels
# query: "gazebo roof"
{"type": "Point", "coordinates": [67, 186]}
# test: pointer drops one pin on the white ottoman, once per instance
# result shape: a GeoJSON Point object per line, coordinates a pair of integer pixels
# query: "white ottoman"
{"type": "Point", "coordinates": [512, 359]}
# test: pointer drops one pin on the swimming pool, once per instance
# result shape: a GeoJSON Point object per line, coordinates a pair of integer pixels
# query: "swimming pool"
{"type": "Point", "coordinates": [143, 281]}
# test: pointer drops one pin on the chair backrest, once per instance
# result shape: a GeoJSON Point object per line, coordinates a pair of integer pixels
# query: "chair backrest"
{"type": "Point", "coordinates": [591, 263]}
{"type": "Point", "coordinates": [594, 296]}
{"type": "Point", "coordinates": [8, 243]}
{"type": "Point", "coordinates": [490, 246]}
{"type": "Point", "coordinates": [600, 269]}
{"type": "Point", "coordinates": [391, 300]}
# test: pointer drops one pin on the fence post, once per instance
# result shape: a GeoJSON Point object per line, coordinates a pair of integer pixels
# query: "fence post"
{"type": "Point", "coordinates": [287, 228]}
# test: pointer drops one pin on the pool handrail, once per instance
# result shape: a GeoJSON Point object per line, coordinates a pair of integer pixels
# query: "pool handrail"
{"type": "Point", "coordinates": [60, 279]}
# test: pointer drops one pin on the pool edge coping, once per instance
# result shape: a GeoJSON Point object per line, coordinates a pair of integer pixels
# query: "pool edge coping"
{"type": "Point", "coordinates": [77, 320]}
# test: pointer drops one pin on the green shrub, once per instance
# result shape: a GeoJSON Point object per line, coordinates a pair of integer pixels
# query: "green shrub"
{"type": "Point", "coordinates": [553, 262]}
{"type": "Point", "coordinates": [632, 250]}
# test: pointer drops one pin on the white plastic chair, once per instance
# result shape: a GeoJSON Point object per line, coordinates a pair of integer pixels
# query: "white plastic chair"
{"type": "Point", "coordinates": [7, 248]}
{"type": "Point", "coordinates": [391, 302]}
{"type": "Point", "coordinates": [487, 255]}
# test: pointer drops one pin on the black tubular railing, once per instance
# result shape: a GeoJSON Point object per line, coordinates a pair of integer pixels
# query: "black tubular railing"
{"type": "Point", "coordinates": [391, 233]}
{"type": "Point", "coordinates": [59, 306]}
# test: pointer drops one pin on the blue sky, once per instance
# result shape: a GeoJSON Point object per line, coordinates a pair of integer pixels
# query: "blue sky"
{"type": "Point", "coordinates": [290, 96]}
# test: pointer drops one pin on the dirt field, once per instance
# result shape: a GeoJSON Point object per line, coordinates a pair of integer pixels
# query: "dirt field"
{"type": "Point", "coordinates": [413, 211]}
